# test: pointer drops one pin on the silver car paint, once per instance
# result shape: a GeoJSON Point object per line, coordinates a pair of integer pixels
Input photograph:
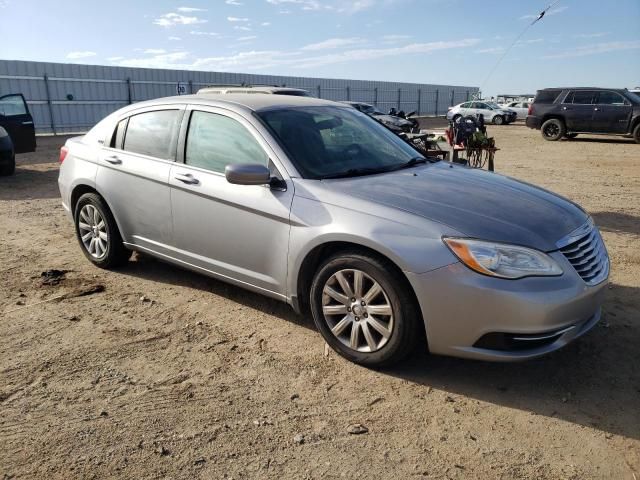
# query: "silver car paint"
{"type": "Point", "coordinates": [405, 228]}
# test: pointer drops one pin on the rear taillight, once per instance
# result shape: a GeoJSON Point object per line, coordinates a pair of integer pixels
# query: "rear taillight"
{"type": "Point", "coordinates": [63, 153]}
{"type": "Point", "coordinates": [530, 111]}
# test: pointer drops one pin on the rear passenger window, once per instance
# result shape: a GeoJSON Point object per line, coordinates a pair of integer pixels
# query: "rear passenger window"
{"type": "Point", "coordinates": [547, 96]}
{"type": "Point", "coordinates": [118, 134]}
{"type": "Point", "coordinates": [610, 98]}
{"type": "Point", "coordinates": [153, 133]}
{"type": "Point", "coordinates": [581, 97]}
{"type": "Point", "coordinates": [215, 141]}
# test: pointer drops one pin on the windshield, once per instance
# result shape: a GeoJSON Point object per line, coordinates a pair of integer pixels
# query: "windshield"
{"type": "Point", "coordinates": [494, 105]}
{"type": "Point", "coordinates": [635, 97]}
{"type": "Point", "coordinates": [336, 141]}
{"type": "Point", "coordinates": [370, 110]}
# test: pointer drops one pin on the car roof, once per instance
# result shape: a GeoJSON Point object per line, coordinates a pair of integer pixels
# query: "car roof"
{"type": "Point", "coordinates": [240, 101]}
{"type": "Point", "coordinates": [584, 88]}
{"type": "Point", "coordinates": [220, 89]}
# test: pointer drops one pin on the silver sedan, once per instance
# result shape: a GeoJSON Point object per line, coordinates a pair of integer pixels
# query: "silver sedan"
{"type": "Point", "coordinates": [314, 203]}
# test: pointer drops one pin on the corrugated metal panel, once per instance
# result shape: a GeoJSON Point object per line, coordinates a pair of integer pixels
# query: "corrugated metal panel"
{"type": "Point", "coordinates": [78, 96]}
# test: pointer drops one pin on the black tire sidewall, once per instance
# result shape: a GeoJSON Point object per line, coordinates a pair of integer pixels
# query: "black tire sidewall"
{"type": "Point", "coordinates": [9, 168]}
{"type": "Point", "coordinates": [402, 338]}
{"type": "Point", "coordinates": [561, 129]}
{"type": "Point", "coordinates": [116, 252]}
{"type": "Point", "coordinates": [636, 133]}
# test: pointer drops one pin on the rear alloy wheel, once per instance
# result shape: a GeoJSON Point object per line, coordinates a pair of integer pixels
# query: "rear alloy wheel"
{"type": "Point", "coordinates": [498, 120]}
{"type": "Point", "coordinates": [363, 311]}
{"type": "Point", "coordinates": [553, 129]}
{"type": "Point", "coordinates": [98, 233]}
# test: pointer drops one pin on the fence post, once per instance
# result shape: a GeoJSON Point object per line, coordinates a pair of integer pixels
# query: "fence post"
{"type": "Point", "coordinates": [129, 91]}
{"type": "Point", "coordinates": [399, 95]}
{"type": "Point", "coordinates": [437, 95]}
{"type": "Point", "coordinates": [452, 94]}
{"type": "Point", "coordinates": [319, 92]}
{"type": "Point", "coordinates": [467, 95]}
{"type": "Point", "coordinates": [191, 87]}
{"type": "Point", "coordinates": [419, 98]}
{"type": "Point", "coordinates": [48, 92]}
{"type": "Point", "coordinates": [375, 96]}
{"type": "Point", "coordinates": [348, 93]}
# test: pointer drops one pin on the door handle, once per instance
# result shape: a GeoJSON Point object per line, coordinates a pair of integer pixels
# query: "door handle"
{"type": "Point", "coordinates": [596, 109]}
{"type": "Point", "coordinates": [113, 160]}
{"type": "Point", "coordinates": [186, 178]}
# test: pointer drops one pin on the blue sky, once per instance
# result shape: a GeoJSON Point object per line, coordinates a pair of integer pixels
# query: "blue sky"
{"type": "Point", "coordinates": [579, 42]}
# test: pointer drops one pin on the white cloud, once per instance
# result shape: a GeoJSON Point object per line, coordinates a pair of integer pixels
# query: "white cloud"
{"type": "Point", "coordinates": [154, 51]}
{"type": "Point", "coordinates": [333, 43]}
{"type": "Point", "coordinates": [82, 54]}
{"type": "Point", "coordinates": [492, 50]}
{"type": "Point", "coordinates": [597, 48]}
{"type": "Point", "coordinates": [174, 39]}
{"type": "Point", "coordinates": [591, 35]}
{"type": "Point", "coordinates": [242, 28]}
{"type": "Point", "coordinates": [395, 38]}
{"type": "Point", "coordinates": [265, 24]}
{"type": "Point", "coordinates": [171, 19]}
{"type": "Point", "coordinates": [237, 19]}
{"type": "Point", "coordinates": [115, 59]}
{"type": "Point", "coordinates": [264, 59]}
{"type": "Point", "coordinates": [304, 4]}
{"type": "Point", "coordinates": [211, 34]}
{"type": "Point", "coordinates": [247, 38]}
{"type": "Point", "coordinates": [190, 9]}
{"type": "Point", "coordinates": [233, 2]}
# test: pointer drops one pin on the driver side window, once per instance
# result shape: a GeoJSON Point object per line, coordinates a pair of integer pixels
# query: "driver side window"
{"type": "Point", "coordinates": [215, 141]}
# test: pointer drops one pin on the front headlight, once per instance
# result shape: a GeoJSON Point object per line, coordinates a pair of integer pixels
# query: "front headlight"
{"type": "Point", "coordinates": [502, 260]}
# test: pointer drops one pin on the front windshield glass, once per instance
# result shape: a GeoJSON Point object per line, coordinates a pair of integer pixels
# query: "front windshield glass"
{"type": "Point", "coordinates": [370, 110]}
{"type": "Point", "coordinates": [494, 105]}
{"type": "Point", "coordinates": [336, 141]}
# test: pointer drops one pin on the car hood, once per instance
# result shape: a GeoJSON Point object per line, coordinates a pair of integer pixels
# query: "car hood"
{"type": "Point", "coordinates": [474, 202]}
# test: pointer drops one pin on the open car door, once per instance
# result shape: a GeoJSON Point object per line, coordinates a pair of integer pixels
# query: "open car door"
{"type": "Point", "coordinates": [18, 122]}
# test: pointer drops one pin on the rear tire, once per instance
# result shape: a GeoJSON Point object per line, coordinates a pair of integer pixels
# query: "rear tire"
{"type": "Point", "coordinates": [97, 232]}
{"type": "Point", "coordinates": [8, 168]}
{"type": "Point", "coordinates": [375, 330]}
{"type": "Point", "coordinates": [636, 133]}
{"type": "Point", "coordinates": [498, 120]}
{"type": "Point", "coordinates": [553, 129]}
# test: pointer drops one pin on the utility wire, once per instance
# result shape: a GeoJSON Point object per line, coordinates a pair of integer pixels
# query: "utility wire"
{"type": "Point", "coordinates": [526, 29]}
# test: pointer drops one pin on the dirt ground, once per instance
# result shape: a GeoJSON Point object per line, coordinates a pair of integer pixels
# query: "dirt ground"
{"type": "Point", "coordinates": [168, 374]}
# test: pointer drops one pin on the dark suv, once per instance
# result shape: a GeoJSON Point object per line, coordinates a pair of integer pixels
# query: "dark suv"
{"type": "Point", "coordinates": [566, 112]}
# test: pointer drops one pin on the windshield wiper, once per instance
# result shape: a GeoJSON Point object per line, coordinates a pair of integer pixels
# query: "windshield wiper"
{"type": "Point", "coordinates": [414, 161]}
{"type": "Point", "coordinates": [355, 172]}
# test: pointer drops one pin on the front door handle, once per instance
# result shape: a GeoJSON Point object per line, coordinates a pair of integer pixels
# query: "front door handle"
{"type": "Point", "coordinates": [113, 160]}
{"type": "Point", "coordinates": [186, 178]}
{"type": "Point", "coordinates": [596, 109]}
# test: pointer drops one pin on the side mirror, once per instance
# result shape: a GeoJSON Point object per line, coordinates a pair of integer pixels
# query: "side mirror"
{"type": "Point", "coordinates": [247, 174]}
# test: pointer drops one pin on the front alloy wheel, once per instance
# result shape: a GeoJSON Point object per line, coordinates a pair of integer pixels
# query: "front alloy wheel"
{"type": "Point", "coordinates": [357, 310]}
{"type": "Point", "coordinates": [364, 309]}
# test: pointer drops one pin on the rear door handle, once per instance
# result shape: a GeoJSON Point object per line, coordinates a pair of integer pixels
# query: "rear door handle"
{"type": "Point", "coordinates": [113, 160]}
{"type": "Point", "coordinates": [186, 178]}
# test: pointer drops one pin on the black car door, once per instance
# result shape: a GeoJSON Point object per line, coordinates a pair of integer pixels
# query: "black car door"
{"type": "Point", "coordinates": [612, 113]}
{"type": "Point", "coordinates": [18, 122]}
{"type": "Point", "coordinates": [578, 110]}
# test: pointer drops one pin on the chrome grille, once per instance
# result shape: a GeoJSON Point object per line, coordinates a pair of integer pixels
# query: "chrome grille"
{"type": "Point", "coordinates": [587, 253]}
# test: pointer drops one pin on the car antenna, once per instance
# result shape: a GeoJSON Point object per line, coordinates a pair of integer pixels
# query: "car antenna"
{"type": "Point", "coordinates": [494, 68]}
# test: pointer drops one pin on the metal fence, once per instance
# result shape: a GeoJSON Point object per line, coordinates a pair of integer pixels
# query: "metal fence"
{"type": "Point", "coordinates": [66, 98]}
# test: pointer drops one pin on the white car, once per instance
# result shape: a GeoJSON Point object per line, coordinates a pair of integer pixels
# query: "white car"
{"type": "Point", "coordinates": [492, 112]}
{"type": "Point", "coordinates": [521, 108]}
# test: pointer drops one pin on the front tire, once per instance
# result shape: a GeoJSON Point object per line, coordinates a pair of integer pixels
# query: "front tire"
{"type": "Point", "coordinates": [498, 120]}
{"type": "Point", "coordinates": [97, 232]}
{"type": "Point", "coordinates": [553, 129]}
{"type": "Point", "coordinates": [363, 309]}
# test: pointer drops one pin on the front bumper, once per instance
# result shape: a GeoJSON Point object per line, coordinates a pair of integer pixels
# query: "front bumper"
{"type": "Point", "coordinates": [470, 315]}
